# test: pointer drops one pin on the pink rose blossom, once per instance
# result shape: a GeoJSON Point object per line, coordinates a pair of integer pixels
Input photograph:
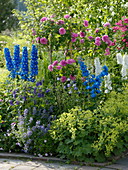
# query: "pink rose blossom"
{"type": "Point", "coordinates": [90, 37]}
{"type": "Point", "coordinates": [67, 16]}
{"type": "Point", "coordinates": [73, 39]}
{"type": "Point", "coordinates": [86, 23]}
{"type": "Point", "coordinates": [43, 19]}
{"type": "Point", "coordinates": [126, 20]}
{"type": "Point", "coordinates": [38, 39]}
{"type": "Point", "coordinates": [33, 32]}
{"type": "Point", "coordinates": [72, 77]}
{"type": "Point", "coordinates": [63, 79]}
{"type": "Point", "coordinates": [119, 23]}
{"type": "Point", "coordinates": [123, 29]}
{"type": "Point", "coordinates": [58, 67]}
{"type": "Point", "coordinates": [60, 22]}
{"type": "Point", "coordinates": [74, 35]}
{"type": "Point", "coordinates": [105, 38]}
{"type": "Point", "coordinates": [107, 51]}
{"type": "Point", "coordinates": [62, 31]}
{"type": "Point", "coordinates": [98, 43]}
{"type": "Point", "coordinates": [43, 41]}
{"type": "Point", "coordinates": [124, 40]}
{"type": "Point", "coordinates": [52, 16]}
{"type": "Point", "coordinates": [82, 41]}
{"type": "Point", "coordinates": [97, 39]}
{"type": "Point", "coordinates": [82, 34]}
{"type": "Point", "coordinates": [50, 67]}
{"type": "Point", "coordinates": [115, 28]}
{"type": "Point", "coordinates": [106, 24]}
{"type": "Point", "coordinates": [97, 30]}
{"type": "Point", "coordinates": [70, 61]}
{"type": "Point", "coordinates": [55, 63]}
{"type": "Point", "coordinates": [63, 63]}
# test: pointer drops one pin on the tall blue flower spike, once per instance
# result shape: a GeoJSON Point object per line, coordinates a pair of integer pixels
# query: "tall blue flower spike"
{"type": "Point", "coordinates": [9, 63]}
{"type": "Point", "coordinates": [33, 63]}
{"type": "Point", "coordinates": [92, 83]}
{"type": "Point", "coordinates": [24, 64]}
{"type": "Point", "coordinates": [20, 66]}
{"type": "Point", "coordinates": [16, 58]}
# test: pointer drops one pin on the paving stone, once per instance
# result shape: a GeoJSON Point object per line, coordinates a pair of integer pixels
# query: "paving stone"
{"type": "Point", "coordinates": [6, 166]}
{"type": "Point", "coordinates": [117, 166]}
{"type": "Point", "coordinates": [24, 167]}
{"type": "Point", "coordinates": [106, 169]}
{"type": "Point", "coordinates": [88, 168]}
{"type": "Point", "coordinates": [123, 161]}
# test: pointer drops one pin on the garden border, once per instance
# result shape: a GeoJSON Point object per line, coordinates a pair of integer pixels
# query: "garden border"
{"type": "Point", "coordinates": [50, 159]}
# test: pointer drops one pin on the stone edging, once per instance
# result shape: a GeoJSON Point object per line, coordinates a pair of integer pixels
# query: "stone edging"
{"type": "Point", "coordinates": [53, 159]}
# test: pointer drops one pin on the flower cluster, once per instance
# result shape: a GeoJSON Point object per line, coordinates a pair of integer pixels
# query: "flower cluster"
{"type": "Point", "coordinates": [9, 63]}
{"type": "Point", "coordinates": [123, 60]}
{"type": "Point", "coordinates": [20, 66]}
{"type": "Point", "coordinates": [17, 59]}
{"type": "Point", "coordinates": [92, 82]}
{"type": "Point", "coordinates": [24, 64]}
{"type": "Point", "coordinates": [122, 29]}
{"type": "Point", "coordinates": [34, 62]}
{"type": "Point", "coordinates": [60, 27]}
{"type": "Point", "coordinates": [60, 65]}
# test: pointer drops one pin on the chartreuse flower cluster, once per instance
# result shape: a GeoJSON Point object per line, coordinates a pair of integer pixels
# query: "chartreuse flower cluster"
{"type": "Point", "coordinates": [92, 83]}
{"type": "Point", "coordinates": [19, 66]}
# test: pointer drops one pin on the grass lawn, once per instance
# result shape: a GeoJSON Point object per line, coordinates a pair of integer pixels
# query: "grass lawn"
{"type": "Point", "coordinates": [3, 74]}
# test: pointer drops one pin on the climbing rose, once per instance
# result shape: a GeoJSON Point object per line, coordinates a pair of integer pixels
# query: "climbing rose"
{"type": "Point", "coordinates": [74, 35]}
{"type": "Point", "coordinates": [62, 31]}
{"type": "Point", "coordinates": [63, 79]}
{"type": "Point", "coordinates": [67, 16]}
{"type": "Point", "coordinates": [63, 63]}
{"type": "Point", "coordinates": [106, 24]}
{"type": "Point", "coordinates": [85, 23]}
{"type": "Point", "coordinates": [50, 67]}
{"type": "Point", "coordinates": [82, 41]}
{"type": "Point", "coordinates": [55, 63]}
{"type": "Point", "coordinates": [82, 34]}
{"type": "Point", "coordinates": [43, 41]}
{"type": "Point", "coordinates": [38, 39]}
{"type": "Point", "coordinates": [43, 19]}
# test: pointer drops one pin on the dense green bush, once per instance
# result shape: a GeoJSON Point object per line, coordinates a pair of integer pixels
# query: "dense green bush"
{"type": "Point", "coordinates": [7, 19]}
{"type": "Point", "coordinates": [93, 136]}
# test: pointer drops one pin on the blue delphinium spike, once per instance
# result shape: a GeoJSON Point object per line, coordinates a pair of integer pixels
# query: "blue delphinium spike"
{"type": "Point", "coordinates": [9, 63]}
{"type": "Point", "coordinates": [17, 59]}
{"type": "Point", "coordinates": [92, 82]}
{"type": "Point", "coordinates": [33, 63]}
{"type": "Point", "coordinates": [24, 64]}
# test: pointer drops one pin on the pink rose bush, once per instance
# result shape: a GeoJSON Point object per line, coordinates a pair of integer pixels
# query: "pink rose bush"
{"type": "Point", "coordinates": [62, 35]}
{"type": "Point", "coordinates": [64, 67]}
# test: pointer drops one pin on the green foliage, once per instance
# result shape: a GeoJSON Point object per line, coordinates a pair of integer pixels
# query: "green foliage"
{"type": "Point", "coordinates": [7, 19]}
{"type": "Point", "coordinates": [93, 136]}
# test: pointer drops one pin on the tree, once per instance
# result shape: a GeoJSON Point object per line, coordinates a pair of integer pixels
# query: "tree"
{"type": "Point", "coordinates": [7, 18]}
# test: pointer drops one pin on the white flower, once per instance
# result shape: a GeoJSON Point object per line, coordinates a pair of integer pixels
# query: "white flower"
{"type": "Point", "coordinates": [119, 58]}
{"type": "Point", "coordinates": [108, 82]}
{"type": "Point", "coordinates": [97, 66]}
{"type": "Point", "coordinates": [70, 92]}
{"type": "Point", "coordinates": [124, 70]}
{"type": "Point", "coordinates": [106, 91]}
{"type": "Point", "coordinates": [126, 5]}
{"type": "Point", "coordinates": [46, 154]}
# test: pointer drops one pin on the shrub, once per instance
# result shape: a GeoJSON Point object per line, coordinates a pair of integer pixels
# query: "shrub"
{"type": "Point", "coordinates": [93, 136]}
